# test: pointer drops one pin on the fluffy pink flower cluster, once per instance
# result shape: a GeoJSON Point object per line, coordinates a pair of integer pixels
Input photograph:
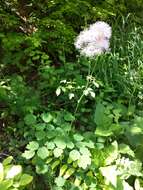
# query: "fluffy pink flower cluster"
{"type": "Point", "coordinates": [94, 40]}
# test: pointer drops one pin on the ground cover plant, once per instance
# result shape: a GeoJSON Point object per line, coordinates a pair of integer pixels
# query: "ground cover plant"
{"type": "Point", "coordinates": [71, 95]}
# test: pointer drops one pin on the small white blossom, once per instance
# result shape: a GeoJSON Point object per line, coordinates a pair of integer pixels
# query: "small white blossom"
{"type": "Point", "coordinates": [94, 40]}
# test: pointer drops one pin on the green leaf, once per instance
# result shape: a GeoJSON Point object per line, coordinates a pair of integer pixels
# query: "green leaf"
{"type": "Point", "coordinates": [60, 143]}
{"type": "Point", "coordinates": [66, 127]}
{"type": "Point", "coordinates": [4, 185]}
{"type": "Point", "coordinates": [33, 145]}
{"type": "Point", "coordinates": [63, 169]}
{"type": "Point", "coordinates": [74, 155]}
{"type": "Point", "coordinates": [43, 152]}
{"type": "Point", "coordinates": [51, 134]}
{"type": "Point", "coordinates": [41, 169]}
{"type": "Point", "coordinates": [28, 154]}
{"type": "Point", "coordinates": [125, 149]}
{"type": "Point", "coordinates": [110, 173]}
{"type": "Point", "coordinates": [99, 114]}
{"type": "Point", "coordinates": [69, 117]}
{"type": "Point", "coordinates": [104, 121]}
{"type": "Point", "coordinates": [84, 161]}
{"type": "Point", "coordinates": [111, 153]}
{"type": "Point", "coordinates": [13, 171]}
{"type": "Point", "coordinates": [68, 173]}
{"type": "Point", "coordinates": [47, 117]}
{"type": "Point", "coordinates": [7, 160]}
{"type": "Point", "coordinates": [69, 144]}
{"type": "Point", "coordinates": [58, 152]}
{"type": "Point", "coordinates": [40, 135]}
{"type": "Point", "coordinates": [78, 137]}
{"type": "Point", "coordinates": [1, 172]}
{"type": "Point", "coordinates": [30, 119]}
{"type": "Point", "coordinates": [85, 151]}
{"type": "Point", "coordinates": [55, 164]}
{"type": "Point", "coordinates": [60, 181]}
{"type": "Point", "coordinates": [25, 179]}
{"type": "Point", "coordinates": [50, 145]}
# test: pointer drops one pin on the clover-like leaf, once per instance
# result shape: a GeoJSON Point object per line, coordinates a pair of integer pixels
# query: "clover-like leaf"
{"type": "Point", "coordinates": [69, 117]}
{"type": "Point", "coordinates": [40, 135]}
{"type": "Point", "coordinates": [41, 169]}
{"type": "Point", "coordinates": [50, 145]}
{"type": "Point", "coordinates": [43, 152]}
{"type": "Point", "coordinates": [47, 117]}
{"type": "Point", "coordinates": [84, 151]}
{"type": "Point", "coordinates": [84, 161]}
{"type": "Point", "coordinates": [78, 137]}
{"type": "Point", "coordinates": [30, 119]}
{"type": "Point", "coordinates": [33, 145]}
{"type": "Point", "coordinates": [58, 152]}
{"type": "Point", "coordinates": [60, 181]}
{"type": "Point", "coordinates": [74, 155]}
{"type": "Point", "coordinates": [60, 143]}
{"type": "Point", "coordinates": [28, 154]}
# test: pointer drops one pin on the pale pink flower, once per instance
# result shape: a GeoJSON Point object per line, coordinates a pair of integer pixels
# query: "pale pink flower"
{"type": "Point", "coordinates": [94, 40]}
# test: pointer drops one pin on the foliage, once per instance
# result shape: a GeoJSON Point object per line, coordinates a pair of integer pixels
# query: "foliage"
{"type": "Point", "coordinates": [12, 177]}
{"type": "Point", "coordinates": [71, 122]}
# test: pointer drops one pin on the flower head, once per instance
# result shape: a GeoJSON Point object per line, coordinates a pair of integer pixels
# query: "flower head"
{"type": "Point", "coordinates": [94, 40]}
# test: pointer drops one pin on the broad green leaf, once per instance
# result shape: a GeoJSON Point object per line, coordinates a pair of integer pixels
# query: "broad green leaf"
{"type": "Point", "coordinates": [60, 181]}
{"type": "Point", "coordinates": [13, 171]}
{"type": "Point", "coordinates": [63, 169]}
{"type": "Point", "coordinates": [69, 117]}
{"type": "Point", "coordinates": [43, 152]}
{"type": "Point", "coordinates": [125, 149]}
{"type": "Point", "coordinates": [85, 151]}
{"type": "Point", "coordinates": [84, 161]}
{"type": "Point", "coordinates": [28, 154]}
{"type": "Point", "coordinates": [40, 135]}
{"type": "Point", "coordinates": [60, 142]}
{"type": "Point", "coordinates": [69, 144]}
{"type": "Point", "coordinates": [50, 145]}
{"type": "Point", "coordinates": [111, 153]}
{"type": "Point", "coordinates": [33, 145]}
{"type": "Point", "coordinates": [58, 152]}
{"type": "Point", "coordinates": [25, 179]}
{"type": "Point", "coordinates": [30, 119]}
{"type": "Point", "coordinates": [40, 126]}
{"type": "Point", "coordinates": [89, 144]}
{"type": "Point", "coordinates": [47, 117]}
{"type": "Point", "coordinates": [74, 155]}
{"type": "Point", "coordinates": [4, 185]}
{"type": "Point", "coordinates": [78, 137]}
{"type": "Point", "coordinates": [51, 134]}
{"type": "Point", "coordinates": [41, 169]}
{"type": "Point", "coordinates": [110, 173]}
{"type": "Point", "coordinates": [68, 173]}
{"type": "Point", "coordinates": [66, 127]}
{"type": "Point", "coordinates": [55, 164]}
{"type": "Point", "coordinates": [1, 172]}
{"type": "Point", "coordinates": [99, 114]}
{"type": "Point", "coordinates": [7, 160]}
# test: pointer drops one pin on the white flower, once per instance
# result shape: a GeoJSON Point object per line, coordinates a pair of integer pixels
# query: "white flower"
{"type": "Point", "coordinates": [94, 40]}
